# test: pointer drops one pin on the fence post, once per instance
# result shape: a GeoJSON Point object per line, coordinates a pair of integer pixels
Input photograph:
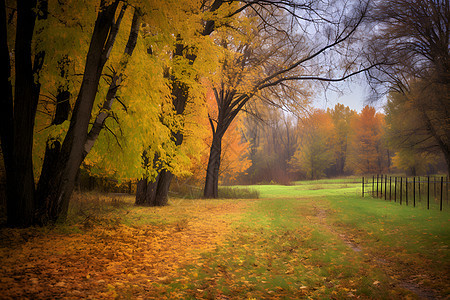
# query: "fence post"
{"type": "Point", "coordinates": [385, 187]}
{"type": "Point", "coordinates": [373, 185]}
{"type": "Point", "coordinates": [420, 195]}
{"type": "Point", "coordinates": [363, 187]}
{"type": "Point", "coordinates": [442, 187]}
{"type": "Point", "coordinates": [390, 188]}
{"type": "Point", "coordinates": [406, 190]}
{"type": "Point", "coordinates": [377, 185]}
{"type": "Point", "coordinates": [381, 186]}
{"type": "Point", "coordinates": [414, 191]}
{"type": "Point", "coordinates": [434, 182]}
{"type": "Point", "coordinates": [446, 189]}
{"type": "Point", "coordinates": [395, 189]}
{"type": "Point", "coordinates": [428, 194]}
{"type": "Point", "coordinates": [401, 189]}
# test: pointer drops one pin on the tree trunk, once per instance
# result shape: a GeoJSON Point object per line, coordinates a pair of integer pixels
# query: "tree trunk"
{"type": "Point", "coordinates": [212, 172]}
{"type": "Point", "coordinates": [6, 108]}
{"type": "Point", "coordinates": [43, 208]}
{"type": "Point", "coordinates": [146, 191]}
{"type": "Point", "coordinates": [154, 193]}
{"type": "Point", "coordinates": [162, 191]}
{"type": "Point", "coordinates": [19, 138]}
{"type": "Point", "coordinates": [56, 194]}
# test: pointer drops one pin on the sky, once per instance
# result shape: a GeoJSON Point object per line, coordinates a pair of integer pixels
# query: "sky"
{"type": "Point", "coordinates": [351, 94]}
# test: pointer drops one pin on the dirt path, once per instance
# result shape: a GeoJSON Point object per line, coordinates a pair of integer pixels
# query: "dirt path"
{"type": "Point", "coordinates": [400, 278]}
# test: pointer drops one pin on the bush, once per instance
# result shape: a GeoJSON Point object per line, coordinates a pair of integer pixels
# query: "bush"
{"type": "Point", "coordinates": [238, 193]}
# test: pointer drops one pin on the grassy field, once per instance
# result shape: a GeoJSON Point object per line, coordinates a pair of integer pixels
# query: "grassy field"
{"type": "Point", "coordinates": [316, 239]}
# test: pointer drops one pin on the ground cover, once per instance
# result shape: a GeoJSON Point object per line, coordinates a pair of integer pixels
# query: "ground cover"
{"type": "Point", "coordinates": [317, 240]}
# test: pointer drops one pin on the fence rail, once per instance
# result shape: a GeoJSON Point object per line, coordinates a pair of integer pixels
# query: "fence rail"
{"type": "Point", "coordinates": [429, 190]}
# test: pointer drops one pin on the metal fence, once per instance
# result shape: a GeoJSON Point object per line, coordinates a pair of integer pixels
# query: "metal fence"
{"type": "Point", "coordinates": [431, 191]}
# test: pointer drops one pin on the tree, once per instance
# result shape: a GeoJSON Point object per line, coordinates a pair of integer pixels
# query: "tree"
{"type": "Point", "coordinates": [153, 190]}
{"type": "Point", "coordinates": [314, 153]}
{"type": "Point", "coordinates": [369, 154]}
{"type": "Point", "coordinates": [290, 60]}
{"type": "Point", "coordinates": [408, 135]}
{"type": "Point", "coordinates": [62, 161]}
{"type": "Point", "coordinates": [18, 110]}
{"type": "Point", "coordinates": [273, 140]}
{"type": "Point", "coordinates": [64, 153]}
{"type": "Point", "coordinates": [235, 160]}
{"type": "Point", "coordinates": [412, 41]}
{"type": "Point", "coordinates": [413, 163]}
{"type": "Point", "coordinates": [342, 117]}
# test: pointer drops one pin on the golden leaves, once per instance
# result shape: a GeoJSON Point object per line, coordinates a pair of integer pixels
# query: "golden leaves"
{"type": "Point", "coordinates": [107, 261]}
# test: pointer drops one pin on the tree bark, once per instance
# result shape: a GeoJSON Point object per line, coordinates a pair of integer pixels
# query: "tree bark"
{"type": "Point", "coordinates": [212, 172]}
{"type": "Point", "coordinates": [18, 134]}
{"type": "Point", "coordinates": [154, 193]}
{"type": "Point", "coordinates": [162, 190]}
{"type": "Point", "coordinates": [6, 106]}
{"type": "Point", "coordinates": [145, 192]}
{"type": "Point", "coordinates": [56, 195]}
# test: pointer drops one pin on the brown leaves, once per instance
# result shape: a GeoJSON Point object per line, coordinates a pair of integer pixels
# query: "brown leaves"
{"type": "Point", "coordinates": [106, 262]}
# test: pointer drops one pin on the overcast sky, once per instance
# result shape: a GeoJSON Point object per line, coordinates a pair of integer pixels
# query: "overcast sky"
{"type": "Point", "coordinates": [352, 94]}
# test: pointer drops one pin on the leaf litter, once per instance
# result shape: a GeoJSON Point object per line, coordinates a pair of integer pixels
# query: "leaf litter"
{"type": "Point", "coordinates": [108, 261]}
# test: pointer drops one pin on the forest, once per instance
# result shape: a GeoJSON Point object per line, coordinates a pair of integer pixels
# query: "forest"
{"type": "Point", "coordinates": [114, 111]}
{"type": "Point", "coordinates": [214, 91]}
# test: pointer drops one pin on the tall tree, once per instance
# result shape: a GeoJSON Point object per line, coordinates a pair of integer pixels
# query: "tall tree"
{"type": "Point", "coordinates": [412, 39]}
{"type": "Point", "coordinates": [153, 191]}
{"type": "Point", "coordinates": [369, 154]}
{"type": "Point", "coordinates": [62, 158]}
{"type": "Point", "coordinates": [342, 117]}
{"type": "Point", "coordinates": [314, 153]}
{"type": "Point", "coordinates": [18, 111]}
{"type": "Point", "coordinates": [68, 156]}
{"type": "Point", "coordinates": [286, 59]}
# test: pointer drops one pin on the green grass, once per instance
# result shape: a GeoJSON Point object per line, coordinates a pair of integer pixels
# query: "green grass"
{"type": "Point", "coordinates": [281, 249]}
{"type": "Point", "coordinates": [320, 239]}
{"type": "Point", "coordinates": [314, 239]}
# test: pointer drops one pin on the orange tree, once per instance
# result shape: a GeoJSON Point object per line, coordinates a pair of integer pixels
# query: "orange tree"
{"type": "Point", "coordinates": [369, 154]}
{"type": "Point", "coordinates": [275, 52]}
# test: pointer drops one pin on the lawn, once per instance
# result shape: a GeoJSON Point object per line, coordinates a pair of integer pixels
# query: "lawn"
{"type": "Point", "coordinates": [316, 239]}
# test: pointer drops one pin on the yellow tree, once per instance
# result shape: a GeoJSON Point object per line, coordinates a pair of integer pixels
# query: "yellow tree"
{"type": "Point", "coordinates": [66, 50]}
{"type": "Point", "coordinates": [314, 153]}
{"type": "Point", "coordinates": [342, 117]}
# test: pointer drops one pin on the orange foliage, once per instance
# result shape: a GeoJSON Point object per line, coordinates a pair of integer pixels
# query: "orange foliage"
{"type": "Point", "coordinates": [369, 155]}
{"type": "Point", "coordinates": [106, 259]}
{"type": "Point", "coordinates": [234, 158]}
